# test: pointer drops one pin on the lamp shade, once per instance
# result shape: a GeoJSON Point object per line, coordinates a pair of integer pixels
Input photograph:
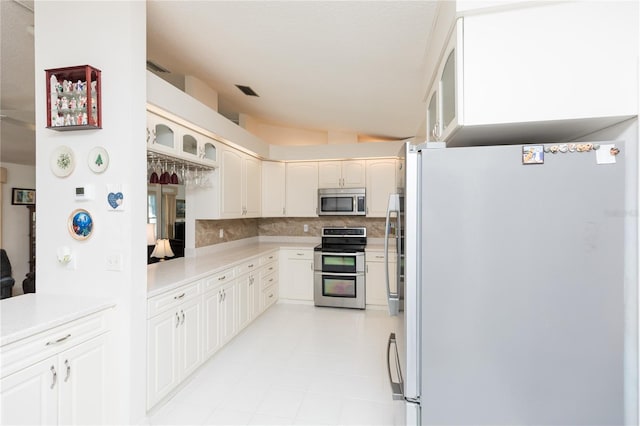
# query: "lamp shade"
{"type": "Point", "coordinates": [162, 249]}
{"type": "Point", "coordinates": [151, 234]}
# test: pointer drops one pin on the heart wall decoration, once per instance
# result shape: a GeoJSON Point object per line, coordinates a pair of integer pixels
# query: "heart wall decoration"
{"type": "Point", "coordinates": [116, 198]}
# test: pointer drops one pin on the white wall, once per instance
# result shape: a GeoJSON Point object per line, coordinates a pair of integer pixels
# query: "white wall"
{"type": "Point", "coordinates": [15, 221]}
{"type": "Point", "coordinates": [110, 36]}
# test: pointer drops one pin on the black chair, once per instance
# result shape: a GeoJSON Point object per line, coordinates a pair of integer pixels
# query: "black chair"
{"type": "Point", "coordinates": [29, 283]}
{"type": "Point", "coordinates": [6, 280]}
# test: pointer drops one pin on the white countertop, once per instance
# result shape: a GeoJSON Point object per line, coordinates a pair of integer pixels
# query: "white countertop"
{"type": "Point", "coordinates": [168, 275]}
{"type": "Point", "coordinates": [28, 314]}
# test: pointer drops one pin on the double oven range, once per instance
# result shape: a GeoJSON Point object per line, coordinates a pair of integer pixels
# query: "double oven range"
{"type": "Point", "coordinates": [339, 268]}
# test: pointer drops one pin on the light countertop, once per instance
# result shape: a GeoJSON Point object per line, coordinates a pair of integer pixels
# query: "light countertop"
{"type": "Point", "coordinates": [168, 275]}
{"type": "Point", "coordinates": [28, 314]}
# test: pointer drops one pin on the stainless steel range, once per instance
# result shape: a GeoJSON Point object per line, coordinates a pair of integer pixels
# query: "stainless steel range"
{"type": "Point", "coordinates": [339, 268]}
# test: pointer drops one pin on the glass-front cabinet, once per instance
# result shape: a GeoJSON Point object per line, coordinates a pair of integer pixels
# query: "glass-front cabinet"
{"type": "Point", "coordinates": [444, 102]}
{"type": "Point", "coordinates": [167, 137]}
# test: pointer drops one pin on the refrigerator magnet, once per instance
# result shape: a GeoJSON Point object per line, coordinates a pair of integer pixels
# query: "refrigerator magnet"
{"type": "Point", "coordinates": [533, 154]}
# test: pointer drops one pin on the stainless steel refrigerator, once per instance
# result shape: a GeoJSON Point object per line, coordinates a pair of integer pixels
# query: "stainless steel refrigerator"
{"type": "Point", "coordinates": [510, 285]}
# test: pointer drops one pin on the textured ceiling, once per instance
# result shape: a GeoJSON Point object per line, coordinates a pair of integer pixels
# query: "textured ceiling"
{"type": "Point", "coordinates": [351, 66]}
{"type": "Point", "coordinates": [355, 66]}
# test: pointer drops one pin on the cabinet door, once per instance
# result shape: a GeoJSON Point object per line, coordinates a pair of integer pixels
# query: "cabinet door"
{"type": "Point", "coordinates": [84, 380]}
{"type": "Point", "coordinates": [252, 187]}
{"type": "Point", "coordinates": [244, 301]}
{"type": "Point", "coordinates": [329, 174]}
{"type": "Point", "coordinates": [190, 348]}
{"type": "Point", "coordinates": [228, 310]}
{"type": "Point", "coordinates": [353, 174]}
{"type": "Point", "coordinates": [188, 144]}
{"type": "Point", "coordinates": [273, 189]}
{"type": "Point", "coordinates": [161, 134]}
{"type": "Point", "coordinates": [376, 280]}
{"type": "Point", "coordinates": [433, 124]}
{"type": "Point", "coordinates": [302, 189]}
{"type": "Point", "coordinates": [211, 322]}
{"type": "Point", "coordinates": [208, 151]}
{"type": "Point", "coordinates": [450, 87]}
{"type": "Point", "coordinates": [231, 184]}
{"type": "Point", "coordinates": [162, 362]}
{"type": "Point", "coordinates": [296, 282]}
{"type": "Point", "coordinates": [255, 295]}
{"type": "Point", "coordinates": [381, 181]}
{"type": "Point", "coordinates": [30, 396]}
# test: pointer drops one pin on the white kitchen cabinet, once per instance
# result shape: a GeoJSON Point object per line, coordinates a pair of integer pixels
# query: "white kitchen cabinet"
{"type": "Point", "coordinates": [381, 181]}
{"type": "Point", "coordinates": [549, 89]}
{"type": "Point", "coordinates": [302, 189]}
{"type": "Point", "coordinates": [212, 315]}
{"type": "Point", "coordinates": [196, 147]}
{"type": "Point", "coordinates": [341, 174]}
{"type": "Point", "coordinates": [174, 341]}
{"type": "Point", "coordinates": [228, 326]}
{"type": "Point", "coordinates": [376, 294]}
{"type": "Point", "coordinates": [241, 189]}
{"type": "Point", "coordinates": [59, 376]}
{"type": "Point", "coordinates": [161, 134]}
{"type": "Point", "coordinates": [248, 292]}
{"type": "Point", "coordinates": [445, 95]}
{"type": "Point", "coordinates": [296, 274]}
{"type": "Point", "coordinates": [273, 189]}
{"type": "Point", "coordinates": [268, 277]}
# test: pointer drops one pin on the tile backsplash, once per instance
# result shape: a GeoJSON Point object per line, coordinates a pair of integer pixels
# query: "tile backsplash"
{"type": "Point", "coordinates": [208, 231]}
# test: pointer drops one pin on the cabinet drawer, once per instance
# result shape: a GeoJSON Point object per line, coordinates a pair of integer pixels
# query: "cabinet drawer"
{"type": "Point", "coordinates": [247, 266]}
{"type": "Point", "coordinates": [298, 254]}
{"type": "Point", "coordinates": [163, 302]}
{"type": "Point", "coordinates": [269, 296]}
{"type": "Point", "coordinates": [268, 280]}
{"type": "Point", "coordinates": [269, 269]}
{"type": "Point", "coordinates": [269, 258]}
{"type": "Point", "coordinates": [378, 256]}
{"type": "Point", "coordinates": [218, 279]}
{"type": "Point", "coordinates": [25, 352]}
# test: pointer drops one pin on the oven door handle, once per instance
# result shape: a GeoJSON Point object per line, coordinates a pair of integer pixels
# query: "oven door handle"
{"type": "Point", "coordinates": [340, 274]}
{"type": "Point", "coordinates": [393, 298]}
{"type": "Point", "coordinates": [342, 253]}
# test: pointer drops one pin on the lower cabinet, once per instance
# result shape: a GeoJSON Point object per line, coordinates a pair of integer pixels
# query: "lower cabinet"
{"type": "Point", "coordinates": [188, 325]}
{"type": "Point", "coordinates": [376, 282]}
{"type": "Point", "coordinates": [71, 386]}
{"type": "Point", "coordinates": [174, 340]}
{"type": "Point", "coordinates": [296, 274]}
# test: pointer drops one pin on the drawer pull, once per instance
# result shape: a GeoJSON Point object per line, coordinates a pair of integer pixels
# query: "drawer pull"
{"type": "Point", "coordinates": [271, 280]}
{"type": "Point", "coordinates": [270, 296]}
{"type": "Point", "coordinates": [66, 363]}
{"type": "Point", "coordinates": [179, 297]}
{"type": "Point", "coordinates": [250, 266]}
{"type": "Point", "coordinates": [271, 268]}
{"type": "Point", "coordinates": [222, 278]}
{"type": "Point", "coordinates": [60, 340]}
{"type": "Point", "coordinates": [54, 377]}
{"type": "Point", "coordinates": [299, 254]}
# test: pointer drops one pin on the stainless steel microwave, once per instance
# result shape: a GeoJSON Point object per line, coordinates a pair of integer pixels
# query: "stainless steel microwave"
{"type": "Point", "coordinates": [341, 202]}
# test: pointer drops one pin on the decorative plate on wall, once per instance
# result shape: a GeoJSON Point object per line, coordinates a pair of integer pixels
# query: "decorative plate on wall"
{"type": "Point", "coordinates": [62, 161]}
{"type": "Point", "coordinates": [80, 224]}
{"type": "Point", "coordinates": [98, 159]}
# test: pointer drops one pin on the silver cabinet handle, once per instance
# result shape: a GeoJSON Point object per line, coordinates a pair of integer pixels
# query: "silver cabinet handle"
{"type": "Point", "coordinates": [283, 210]}
{"type": "Point", "coordinates": [222, 278]}
{"type": "Point", "coordinates": [271, 295]}
{"type": "Point", "coordinates": [177, 320]}
{"type": "Point", "coordinates": [179, 297]}
{"type": "Point", "coordinates": [54, 377]}
{"type": "Point", "coordinates": [397, 392]}
{"type": "Point", "coordinates": [182, 316]}
{"type": "Point", "coordinates": [66, 363]}
{"type": "Point", "coordinates": [60, 340]}
{"type": "Point", "coordinates": [271, 280]}
{"type": "Point", "coordinates": [299, 254]}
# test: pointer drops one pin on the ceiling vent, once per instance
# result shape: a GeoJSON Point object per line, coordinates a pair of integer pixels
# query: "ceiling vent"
{"type": "Point", "coordinates": [156, 68]}
{"type": "Point", "coordinates": [247, 90]}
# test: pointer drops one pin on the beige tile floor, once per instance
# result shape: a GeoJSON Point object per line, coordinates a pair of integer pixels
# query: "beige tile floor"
{"type": "Point", "coordinates": [297, 365]}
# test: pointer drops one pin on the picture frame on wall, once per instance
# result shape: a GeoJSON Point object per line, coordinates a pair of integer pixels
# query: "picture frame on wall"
{"type": "Point", "coordinates": [23, 197]}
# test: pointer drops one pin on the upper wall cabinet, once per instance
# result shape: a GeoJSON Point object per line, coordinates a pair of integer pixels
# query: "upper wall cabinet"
{"type": "Point", "coordinates": [167, 137]}
{"type": "Point", "coordinates": [341, 174]}
{"type": "Point", "coordinates": [500, 79]}
{"type": "Point", "coordinates": [240, 186]}
{"type": "Point", "coordinates": [273, 189]}
{"type": "Point", "coordinates": [381, 182]}
{"type": "Point", "coordinates": [302, 189]}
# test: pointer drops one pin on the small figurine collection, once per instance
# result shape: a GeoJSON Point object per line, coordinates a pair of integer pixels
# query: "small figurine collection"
{"type": "Point", "coordinates": [69, 102]}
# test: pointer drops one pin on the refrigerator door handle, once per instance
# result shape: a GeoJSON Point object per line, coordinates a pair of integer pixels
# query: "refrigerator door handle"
{"type": "Point", "coordinates": [397, 392]}
{"type": "Point", "coordinates": [392, 298]}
